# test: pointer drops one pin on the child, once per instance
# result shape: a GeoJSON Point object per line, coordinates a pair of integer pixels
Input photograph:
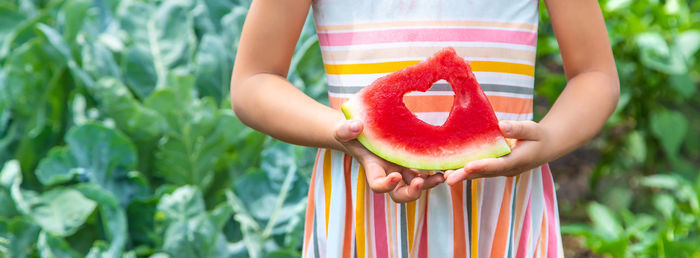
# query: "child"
{"type": "Point", "coordinates": [490, 208]}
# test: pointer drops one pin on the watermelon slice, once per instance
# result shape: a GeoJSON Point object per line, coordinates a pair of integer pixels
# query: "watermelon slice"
{"type": "Point", "coordinates": [395, 134]}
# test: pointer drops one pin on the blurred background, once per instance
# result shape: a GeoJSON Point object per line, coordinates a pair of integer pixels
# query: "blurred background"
{"type": "Point", "coordinates": [117, 137]}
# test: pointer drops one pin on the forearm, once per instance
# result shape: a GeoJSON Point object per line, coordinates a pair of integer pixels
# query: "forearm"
{"type": "Point", "coordinates": [580, 111]}
{"type": "Point", "coordinates": [592, 88]}
{"type": "Point", "coordinates": [270, 104]}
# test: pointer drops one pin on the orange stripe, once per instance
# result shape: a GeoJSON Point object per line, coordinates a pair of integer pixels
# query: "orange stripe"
{"type": "Point", "coordinates": [500, 237]}
{"type": "Point", "coordinates": [539, 245]}
{"type": "Point", "coordinates": [347, 243]}
{"type": "Point", "coordinates": [390, 67]}
{"type": "Point", "coordinates": [520, 205]}
{"type": "Point", "coordinates": [475, 218]}
{"type": "Point", "coordinates": [327, 184]}
{"type": "Point", "coordinates": [410, 220]}
{"type": "Point", "coordinates": [379, 25]}
{"type": "Point", "coordinates": [360, 214]}
{"type": "Point", "coordinates": [459, 242]}
{"type": "Point", "coordinates": [432, 103]}
{"type": "Point", "coordinates": [309, 218]}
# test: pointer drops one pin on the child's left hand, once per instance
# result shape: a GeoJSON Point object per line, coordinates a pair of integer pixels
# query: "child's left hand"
{"type": "Point", "coordinates": [530, 151]}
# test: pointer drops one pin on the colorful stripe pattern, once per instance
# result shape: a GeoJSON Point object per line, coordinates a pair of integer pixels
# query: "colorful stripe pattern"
{"type": "Point", "coordinates": [362, 40]}
{"type": "Point", "coordinates": [496, 217]}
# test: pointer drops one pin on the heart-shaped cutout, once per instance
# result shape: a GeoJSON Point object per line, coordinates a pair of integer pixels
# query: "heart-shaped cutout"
{"type": "Point", "coordinates": [427, 114]}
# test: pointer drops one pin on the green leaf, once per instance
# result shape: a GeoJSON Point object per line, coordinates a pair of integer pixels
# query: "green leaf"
{"type": "Point", "coordinates": [98, 61]}
{"type": "Point", "coordinates": [636, 147]}
{"type": "Point", "coordinates": [60, 211]}
{"type": "Point", "coordinates": [9, 19]}
{"type": "Point", "coordinates": [139, 71]}
{"type": "Point", "coordinates": [604, 221]}
{"type": "Point", "coordinates": [656, 54]}
{"type": "Point", "coordinates": [72, 17]}
{"type": "Point", "coordinates": [614, 5]}
{"type": "Point", "coordinates": [19, 235]}
{"type": "Point", "coordinates": [660, 181]}
{"type": "Point", "coordinates": [197, 135]}
{"type": "Point", "coordinates": [687, 43]}
{"type": "Point", "coordinates": [214, 67]}
{"type": "Point", "coordinates": [187, 229]}
{"type": "Point", "coordinates": [57, 42]}
{"type": "Point", "coordinates": [216, 10]}
{"type": "Point", "coordinates": [233, 23]}
{"type": "Point", "coordinates": [684, 84]}
{"type": "Point", "coordinates": [665, 204]}
{"type": "Point", "coordinates": [96, 154]}
{"type": "Point", "coordinates": [132, 17]}
{"type": "Point", "coordinates": [278, 200]}
{"type": "Point", "coordinates": [669, 127]}
{"type": "Point", "coordinates": [8, 207]}
{"type": "Point", "coordinates": [130, 116]}
{"type": "Point", "coordinates": [113, 218]}
{"type": "Point", "coordinates": [171, 33]}
{"type": "Point", "coordinates": [54, 247]}
{"type": "Point", "coordinates": [140, 215]}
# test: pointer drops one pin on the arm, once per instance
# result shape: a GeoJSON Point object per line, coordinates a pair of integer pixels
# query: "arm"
{"type": "Point", "coordinates": [264, 100]}
{"type": "Point", "coordinates": [590, 96]}
{"type": "Point", "coordinates": [260, 94]}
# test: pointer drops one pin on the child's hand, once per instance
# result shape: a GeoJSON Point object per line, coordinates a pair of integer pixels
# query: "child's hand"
{"type": "Point", "coordinates": [529, 152]}
{"type": "Point", "coordinates": [402, 184]}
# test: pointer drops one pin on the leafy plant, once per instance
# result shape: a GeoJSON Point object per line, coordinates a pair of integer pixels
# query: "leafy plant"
{"type": "Point", "coordinates": [118, 139]}
{"type": "Point", "coordinates": [644, 187]}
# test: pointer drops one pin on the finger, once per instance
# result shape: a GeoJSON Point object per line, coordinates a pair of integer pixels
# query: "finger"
{"type": "Point", "coordinates": [379, 181]}
{"type": "Point", "coordinates": [455, 176]}
{"type": "Point", "coordinates": [407, 193]}
{"type": "Point", "coordinates": [408, 176]}
{"type": "Point", "coordinates": [476, 169]}
{"type": "Point", "coordinates": [523, 130]}
{"type": "Point", "coordinates": [433, 180]}
{"type": "Point", "coordinates": [348, 130]}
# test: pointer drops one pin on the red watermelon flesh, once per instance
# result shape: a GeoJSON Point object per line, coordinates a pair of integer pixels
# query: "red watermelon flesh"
{"type": "Point", "coordinates": [395, 134]}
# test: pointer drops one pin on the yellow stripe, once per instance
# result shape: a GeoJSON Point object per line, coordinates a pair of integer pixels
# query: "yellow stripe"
{"type": "Point", "coordinates": [327, 184]}
{"type": "Point", "coordinates": [410, 220]}
{"type": "Point", "coordinates": [360, 214]}
{"type": "Point", "coordinates": [390, 67]}
{"type": "Point", "coordinates": [475, 218]}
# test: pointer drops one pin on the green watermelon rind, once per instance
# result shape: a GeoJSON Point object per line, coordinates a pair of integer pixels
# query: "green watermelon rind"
{"type": "Point", "coordinates": [353, 110]}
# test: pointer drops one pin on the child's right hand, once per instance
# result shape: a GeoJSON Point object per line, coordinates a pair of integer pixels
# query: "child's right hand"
{"type": "Point", "coordinates": [402, 184]}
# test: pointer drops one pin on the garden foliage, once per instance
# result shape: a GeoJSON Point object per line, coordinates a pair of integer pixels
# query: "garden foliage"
{"type": "Point", "coordinates": [117, 136]}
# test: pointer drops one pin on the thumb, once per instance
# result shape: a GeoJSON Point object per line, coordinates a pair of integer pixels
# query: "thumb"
{"type": "Point", "coordinates": [348, 130]}
{"type": "Point", "coordinates": [523, 130]}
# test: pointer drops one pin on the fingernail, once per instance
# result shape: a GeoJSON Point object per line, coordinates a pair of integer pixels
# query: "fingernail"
{"type": "Point", "coordinates": [506, 127]}
{"type": "Point", "coordinates": [354, 125]}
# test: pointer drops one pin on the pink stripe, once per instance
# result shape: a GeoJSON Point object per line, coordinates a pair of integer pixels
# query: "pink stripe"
{"type": "Point", "coordinates": [525, 231]}
{"type": "Point", "coordinates": [380, 226]}
{"type": "Point", "coordinates": [549, 206]}
{"type": "Point", "coordinates": [423, 251]}
{"type": "Point", "coordinates": [429, 35]}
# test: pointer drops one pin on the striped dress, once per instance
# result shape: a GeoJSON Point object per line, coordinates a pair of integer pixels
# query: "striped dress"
{"type": "Point", "coordinates": [362, 40]}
